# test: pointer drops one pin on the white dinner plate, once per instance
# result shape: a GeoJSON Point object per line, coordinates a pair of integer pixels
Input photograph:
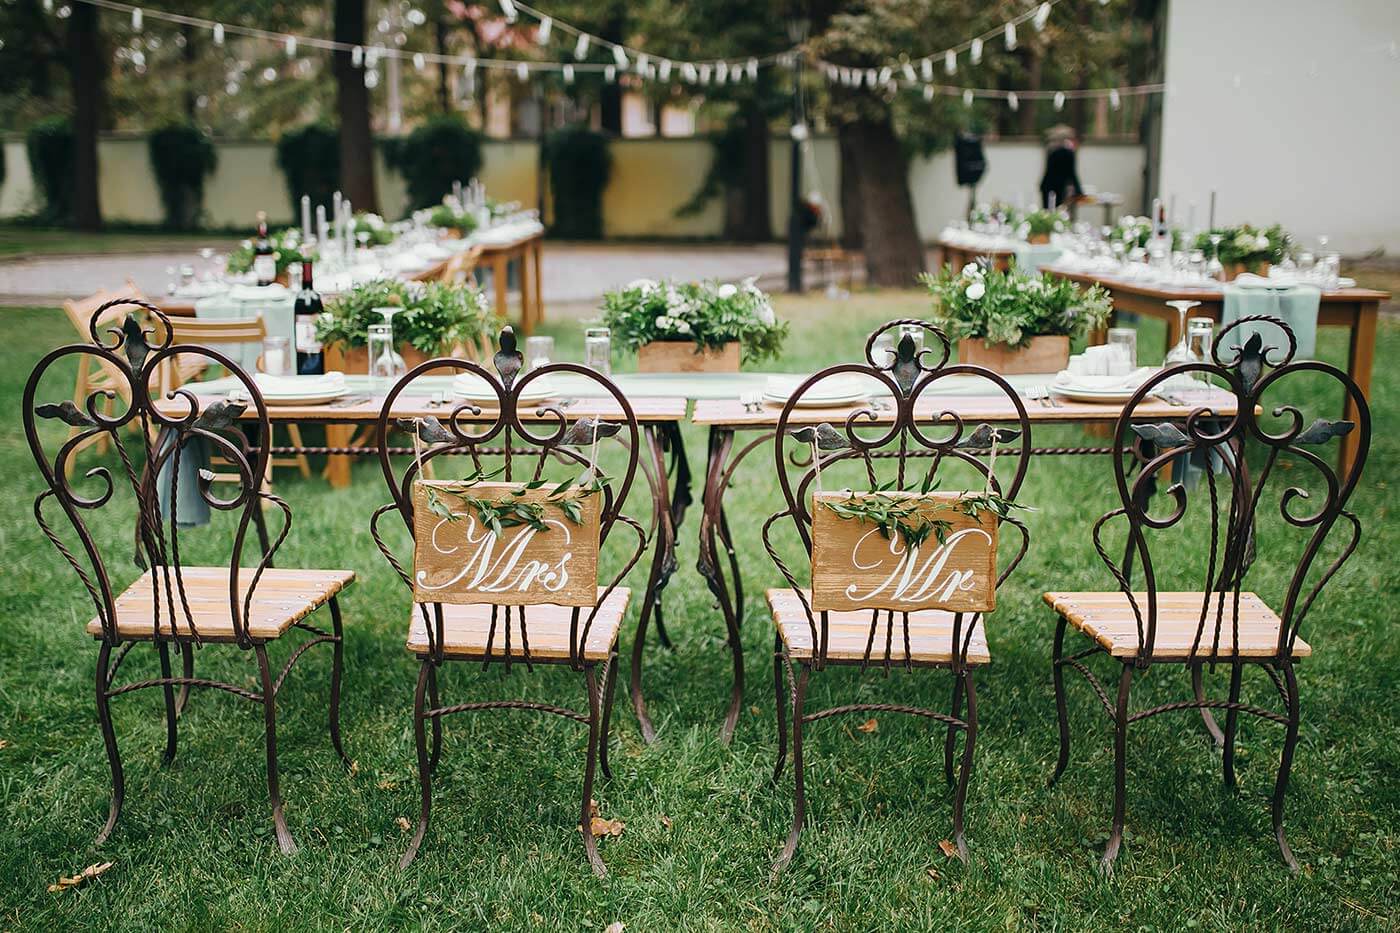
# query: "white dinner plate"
{"type": "Point", "coordinates": [829, 393]}
{"type": "Point", "coordinates": [316, 398]}
{"type": "Point", "coordinates": [473, 388]}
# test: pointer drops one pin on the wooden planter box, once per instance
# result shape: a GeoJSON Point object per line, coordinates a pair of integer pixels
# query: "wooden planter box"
{"type": "Point", "coordinates": [1041, 355]}
{"type": "Point", "coordinates": [1038, 239]}
{"type": "Point", "coordinates": [1236, 269]}
{"type": "Point", "coordinates": [684, 356]}
{"type": "Point", "coordinates": [355, 360]}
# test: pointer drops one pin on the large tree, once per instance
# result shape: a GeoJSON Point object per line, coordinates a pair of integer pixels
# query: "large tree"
{"type": "Point", "coordinates": [352, 103]}
{"type": "Point", "coordinates": [87, 68]}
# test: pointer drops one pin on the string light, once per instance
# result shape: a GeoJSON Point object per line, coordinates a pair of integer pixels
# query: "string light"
{"type": "Point", "coordinates": [610, 73]}
{"type": "Point", "coordinates": [619, 55]}
{"type": "Point", "coordinates": [568, 74]}
{"type": "Point", "coordinates": [1059, 100]}
{"type": "Point", "coordinates": [926, 69]}
{"type": "Point", "coordinates": [357, 56]}
{"type": "Point", "coordinates": [522, 71]}
{"type": "Point", "coordinates": [663, 71]}
{"type": "Point", "coordinates": [1042, 16]}
{"type": "Point", "coordinates": [136, 19]}
{"type": "Point", "coordinates": [1013, 101]}
{"type": "Point", "coordinates": [967, 97]}
{"type": "Point", "coordinates": [419, 61]}
{"type": "Point", "coordinates": [218, 33]}
{"type": "Point", "coordinates": [950, 62]}
{"type": "Point", "coordinates": [1114, 100]}
{"type": "Point", "coordinates": [291, 46]}
{"type": "Point", "coordinates": [508, 11]}
{"type": "Point", "coordinates": [581, 46]}
{"type": "Point", "coordinates": [546, 28]}
{"type": "Point", "coordinates": [1010, 37]}
{"type": "Point", "coordinates": [909, 75]}
{"type": "Point", "coordinates": [974, 51]}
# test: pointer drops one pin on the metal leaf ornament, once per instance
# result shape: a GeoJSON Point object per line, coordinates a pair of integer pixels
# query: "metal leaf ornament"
{"type": "Point", "coordinates": [508, 359]}
{"type": "Point", "coordinates": [66, 412]}
{"type": "Point", "coordinates": [428, 429]}
{"type": "Point", "coordinates": [586, 430]}
{"type": "Point", "coordinates": [1320, 431]}
{"type": "Point", "coordinates": [134, 343]}
{"type": "Point", "coordinates": [906, 364]}
{"type": "Point", "coordinates": [1165, 435]}
{"type": "Point", "coordinates": [827, 437]}
{"type": "Point", "coordinates": [221, 415]}
{"type": "Point", "coordinates": [985, 435]}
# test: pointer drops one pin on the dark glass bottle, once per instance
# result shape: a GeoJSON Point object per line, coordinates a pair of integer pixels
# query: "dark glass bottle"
{"type": "Point", "coordinates": [264, 261]}
{"type": "Point", "coordinates": [311, 361]}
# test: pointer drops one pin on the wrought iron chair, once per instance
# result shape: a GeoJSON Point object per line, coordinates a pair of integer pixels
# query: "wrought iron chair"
{"type": "Point", "coordinates": [172, 604]}
{"type": "Point", "coordinates": [1215, 543]}
{"type": "Point", "coordinates": [485, 626]}
{"type": "Point", "coordinates": [911, 443]}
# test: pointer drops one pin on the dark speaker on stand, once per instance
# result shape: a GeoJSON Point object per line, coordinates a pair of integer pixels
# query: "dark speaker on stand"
{"type": "Point", "coordinates": [970, 163]}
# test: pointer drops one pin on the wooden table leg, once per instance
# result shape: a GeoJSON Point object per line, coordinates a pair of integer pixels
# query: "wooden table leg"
{"type": "Point", "coordinates": [500, 268]}
{"type": "Point", "coordinates": [1360, 358]}
{"type": "Point", "coordinates": [527, 304]}
{"type": "Point", "coordinates": [337, 470]}
{"type": "Point", "coordinates": [536, 254]}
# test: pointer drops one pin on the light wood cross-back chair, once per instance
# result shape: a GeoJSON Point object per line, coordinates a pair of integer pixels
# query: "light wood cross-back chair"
{"type": "Point", "coordinates": [97, 375]}
{"type": "Point", "coordinates": [177, 372]}
{"type": "Point", "coordinates": [460, 266]}
{"type": "Point", "coordinates": [517, 594]}
{"type": "Point", "coordinates": [172, 604]}
{"type": "Point", "coordinates": [882, 601]}
{"type": "Point", "coordinates": [1268, 492]}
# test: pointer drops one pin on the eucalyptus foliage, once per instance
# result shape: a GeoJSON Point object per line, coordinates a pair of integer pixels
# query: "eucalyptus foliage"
{"type": "Point", "coordinates": [708, 313]}
{"type": "Point", "coordinates": [1012, 307]}
{"type": "Point", "coordinates": [436, 316]}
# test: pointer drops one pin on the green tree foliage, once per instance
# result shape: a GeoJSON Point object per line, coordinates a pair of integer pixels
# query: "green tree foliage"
{"type": "Point", "coordinates": [182, 156]}
{"type": "Point", "coordinates": [309, 158]}
{"type": "Point", "coordinates": [49, 145]}
{"type": "Point", "coordinates": [433, 156]}
{"type": "Point", "coordinates": [579, 166]}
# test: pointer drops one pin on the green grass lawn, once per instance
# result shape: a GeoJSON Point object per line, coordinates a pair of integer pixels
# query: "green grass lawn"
{"type": "Point", "coordinates": [25, 241]}
{"type": "Point", "coordinates": [194, 848]}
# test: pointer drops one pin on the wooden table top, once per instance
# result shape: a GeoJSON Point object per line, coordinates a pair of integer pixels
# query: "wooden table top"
{"type": "Point", "coordinates": [730, 413]}
{"type": "Point", "coordinates": [364, 409]}
{"type": "Point", "coordinates": [1207, 293]}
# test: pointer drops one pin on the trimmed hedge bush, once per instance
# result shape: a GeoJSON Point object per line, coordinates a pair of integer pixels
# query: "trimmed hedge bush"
{"type": "Point", "coordinates": [579, 167]}
{"type": "Point", "coordinates": [182, 156]}
{"type": "Point", "coordinates": [309, 158]}
{"type": "Point", "coordinates": [49, 145]}
{"type": "Point", "coordinates": [433, 156]}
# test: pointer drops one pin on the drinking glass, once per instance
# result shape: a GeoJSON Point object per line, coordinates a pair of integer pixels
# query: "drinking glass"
{"type": "Point", "coordinates": [597, 350]}
{"type": "Point", "coordinates": [277, 356]}
{"type": "Point", "coordinates": [385, 364]}
{"type": "Point", "coordinates": [1200, 336]}
{"type": "Point", "coordinates": [1197, 262]}
{"type": "Point", "coordinates": [1181, 353]}
{"type": "Point", "coordinates": [1123, 340]}
{"type": "Point", "coordinates": [882, 352]}
{"type": "Point", "coordinates": [1331, 270]}
{"type": "Point", "coordinates": [539, 351]}
{"type": "Point", "coordinates": [1215, 269]}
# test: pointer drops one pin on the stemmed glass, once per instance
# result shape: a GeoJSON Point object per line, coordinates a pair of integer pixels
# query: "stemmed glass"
{"type": "Point", "coordinates": [385, 363]}
{"type": "Point", "coordinates": [1215, 269]}
{"type": "Point", "coordinates": [1181, 353]}
{"type": "Point", "coordinates": [207, 254]}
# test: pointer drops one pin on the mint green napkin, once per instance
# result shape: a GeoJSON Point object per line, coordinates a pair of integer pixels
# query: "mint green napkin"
{"type": "Point", "coordinates": [1032, 257]}
{"type": "Point", "coordinates": [1296, 306]}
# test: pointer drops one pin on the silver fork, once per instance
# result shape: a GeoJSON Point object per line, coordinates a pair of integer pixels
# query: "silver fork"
{"type": "Point", "coordinates": [752, 401]}
{"type": "Point", "coordinates": [1038, 394]}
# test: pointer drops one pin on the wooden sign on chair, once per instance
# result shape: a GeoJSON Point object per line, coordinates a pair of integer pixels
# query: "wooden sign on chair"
{"type": "Point", "coordinates": [516, 544]}
{"type": "Point", "coordinates": [903, 551]}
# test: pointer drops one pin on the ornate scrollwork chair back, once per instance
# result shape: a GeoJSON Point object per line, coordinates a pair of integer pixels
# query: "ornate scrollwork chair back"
{"type": "Point", "coordinates": [516, 443]}
{"type": "Point", "coordinates": [1295, 487]}
{"type": "Point", "coordinates": [909, 438]}
{"type": "Point", "coordinates": [173, 602]}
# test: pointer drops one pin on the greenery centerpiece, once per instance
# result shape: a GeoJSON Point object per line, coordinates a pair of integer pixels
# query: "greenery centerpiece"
{"type": "Point", "coordinates": [1135, 232]}
{"type": "Point", "coordinates": [999, 212]}
{"type": "Point", "coordinates": [1246, 248]}
{"type": "Point", "coordinates": [286, 250]}
{"type": "Point", "coordinates": [1013, 322]}
{"type": "Point", "coordinates": [437, 318]}
{"type": "Point", "coordinates": [450, 216]}
{"type": "Point", "coordinates": [695, 326]}
{"type": "Point", "coordinates": [1039, 225]}
{"type": "Point", "coordinates": [378, 230]}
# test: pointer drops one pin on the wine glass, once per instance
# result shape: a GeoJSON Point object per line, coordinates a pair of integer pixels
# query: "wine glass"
{"type": "Point", "coordinates": [385, 363]}
{"type": "Point", "coordinates": [1215, 269]}
{"type": "Point", "coordinates": [206, 253]}
{"type": "Point", "coordinates": [1181, 353]}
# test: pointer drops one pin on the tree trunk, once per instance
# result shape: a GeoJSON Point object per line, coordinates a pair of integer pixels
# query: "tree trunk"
{"type": "Point", "coordinates": [610, 97]}
{"type": "Point", "coordinates": [87, 65]}
{"type": "Point", "coordinates": [851, 233]}
{"type": "Point", "coordinates": [444, 97]}
{"type": "Point", "coordinates": [894, 255]}
{"type": "Point", "coordinates": [352, 101]}
{"type": "Point", "coordinates": [1034, 60]}
{"type": "Point", "coordinates": [755, 223]}
{"type": "Point", "coordinates": [190, 60]}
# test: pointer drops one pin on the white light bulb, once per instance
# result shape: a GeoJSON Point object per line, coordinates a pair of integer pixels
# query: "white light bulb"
{"type": "Point", "coordinates": [568, 74]}
{"type": "Point", "coordinates": [218, 33]}
{"type": "Point", "coordinates": [371, 78]}
{"type": "Point", "coordinates": [722, 73]}
{"type": "Point", "coordinates": [357, 56]}
{"type": "Point", "coordinates": [546, 27]}
{"type": "Point", "coordinates": [928, 92]}
{"type": "Point", "coordinates": [967, 97]}
{"type": "Point", "coordinates": [752, 69]}
{"type": "Point", "coordinates": [1009, 33]}
{"type": "Point", "coordinates": [620, 56]}
{"type": "Point", "coordinates": [926, 69]}
{"type": "Point", "coordinates": [688, 73]}
{"type": "Point", "coordinates": [1059, 100]}
{"type": "Point", "coordinates": [291, 46]}
{"type": "Point", "coordinates": [136, 19]}
{"type": "Point", "coordinates": [1042, 16]}
{"type": "Point", "coordinates": [705, 70]}
{"type": "Point", "coordinates": [522, 71]}
{"type": "Point", "coordinates": [909, 75]}
{"type": "Point", "coordinates": [581, 46]}
{"type": "Point", "coordinates": [870, 77]}
{"type": "Point", "coordinates": [1114, 100]}
{"type": "Point", "coordinates": [643, 63]}
{"type": "Point", "coordinates": [420, 61]}
{"type": "Point", "coordinates": [950, 61]}
{"type": "Point", "coordinates": [1013, 101]}
{"type": "Point", "coordinates": [885, 74]}
{"type": "Point", "coordinates": [799, 132]}
{"type": "Point", "coordinates": [663, 71]}
{"type": "Point", "coordinates": [974, 51]}
{"type": "Point", "coordinates": [508, 11]}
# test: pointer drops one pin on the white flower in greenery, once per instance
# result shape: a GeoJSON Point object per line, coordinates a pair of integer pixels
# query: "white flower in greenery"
{"type": "Point", "coordinates": [1262, 243]}
{"type": "Point", "coordinates": [681, 327]}
{"type": "Point", "coordinates": [972, 271]}
{"type": "Point", "coordinates": [975, 291]}
{"type": "Point", "coordinates": [1245, 240]}
{"type": "Point", "coordinates": [726, 291]}
{"type": "Point", "coordinates": [765, 313]}
{"type": "Point", "coordinates": [645, 286]}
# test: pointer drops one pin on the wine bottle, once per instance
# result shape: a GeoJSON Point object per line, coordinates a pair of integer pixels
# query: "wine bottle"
{"type": "Point", "coordinates": [306, 309]}
{"type": "Point", "coordinates": [264, 261]}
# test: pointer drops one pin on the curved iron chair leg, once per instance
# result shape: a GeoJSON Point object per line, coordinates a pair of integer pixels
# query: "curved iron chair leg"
{"type": "Point", "coordinates": [662, 635]}
{"type": "Point", "coordinates": [950, 738]}
{"type": "Point", "coordinates": [1061, 709]}
{"type": "Point", "coordinates": [109, 739]}
{"type": "Point", "coordinates": [1120, 769]}
{"type": "Point", "coordinates": [781, 704]}
{"type": "Point", "coordinates": [437, 720]}
{"type": "Point", "coordinates": [965, 771]}
{"type": "Point", "coordinates": [609, 689]}
{"type": "Point", "coordinates": [269, 700]}
{"type": "Point", "coordinates": [1232, 717]}
{"type": "Point", "coordinates": [337, 671]}
{"type": "Point", "coordinates": [590, 845]}
{"type": "Point", "coordinates": [171, 733]}
{"type": "Point", "coordinates": [187, 672]}
{"type": "Point", "coordinates": [425, 769]}
{"type": "Point", "coordinates": [799, 793]}
{"type": "Point", "coordinates": [1285, 764]}
{"type": "Point", "coordinates": [1198, 688]}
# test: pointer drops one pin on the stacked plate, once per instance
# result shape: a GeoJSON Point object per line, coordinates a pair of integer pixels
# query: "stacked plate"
{"type": "Point", "coordinates": [1107, 390]}
{"type": "Point", "coordinates": [300, 390]}
{"type": "Point", "coordinates": [474, 388]}
{"type": "Point", "coordinates": [832, 392]}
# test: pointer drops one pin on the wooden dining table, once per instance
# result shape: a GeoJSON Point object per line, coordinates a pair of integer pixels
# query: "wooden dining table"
{"type": "Point", "coordinates": [957, 255]}
{"type": "Point", "coordinates": [727, 418]}
{"type": "Point", "coordinates": [1356, 309]}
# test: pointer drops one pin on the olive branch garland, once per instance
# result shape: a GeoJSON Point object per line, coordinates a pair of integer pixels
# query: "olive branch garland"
{"type": "Point", "coordinates": [906, 516]}
{"type": "Point", "coordinates": [510, 510]}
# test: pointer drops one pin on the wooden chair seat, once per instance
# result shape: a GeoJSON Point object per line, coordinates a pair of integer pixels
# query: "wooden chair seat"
{"type": "Point", "coordinates": [282, 598]}
{"type": "Point", "coordinates": [930, 633]}
{"type": "Point", "coordinates": [465, 629]}
{"type": "Point", "coordinates": [1108, 618]}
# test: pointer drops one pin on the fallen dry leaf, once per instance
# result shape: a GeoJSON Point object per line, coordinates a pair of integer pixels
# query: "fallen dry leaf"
{"type": "Point", "coordinates": [601, 827]}
{"type": "Point", "coordinates": [755, 711]}
{"type": "Point", "coordinates": [403, 823]}
{"type": "Point", "coordinates": [665, 821]}
{"type": "Point", "coordinates": [387, 785]}
{"type": "Point", "coordinates": [92, 871]}
{"type": "Point", "coordinates": [933, 873]}
{"type": "Point", "coordinates": [870, 725]}
{"type": "Point", "coordinates": [617, 926]}
{"type": "Point", "coordinates": [355, 766]}
{"type": "Point", "coordinates": [948, 848]}
{"type": "Point", "coordinates": [4, 743]}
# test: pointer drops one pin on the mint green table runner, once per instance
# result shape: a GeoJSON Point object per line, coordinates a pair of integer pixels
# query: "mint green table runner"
{"type": "Point", "coordinates": [1295, 305]}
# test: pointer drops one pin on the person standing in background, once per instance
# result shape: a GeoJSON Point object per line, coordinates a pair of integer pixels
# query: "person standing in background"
{"type": "Point", "coordinates": [1061, 176]}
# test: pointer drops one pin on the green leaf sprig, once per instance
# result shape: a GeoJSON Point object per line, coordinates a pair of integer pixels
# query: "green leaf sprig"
{"type": "Point", "coordinates": [894, 513]}
{"type": "Point", "coordinates": [510, 510]}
